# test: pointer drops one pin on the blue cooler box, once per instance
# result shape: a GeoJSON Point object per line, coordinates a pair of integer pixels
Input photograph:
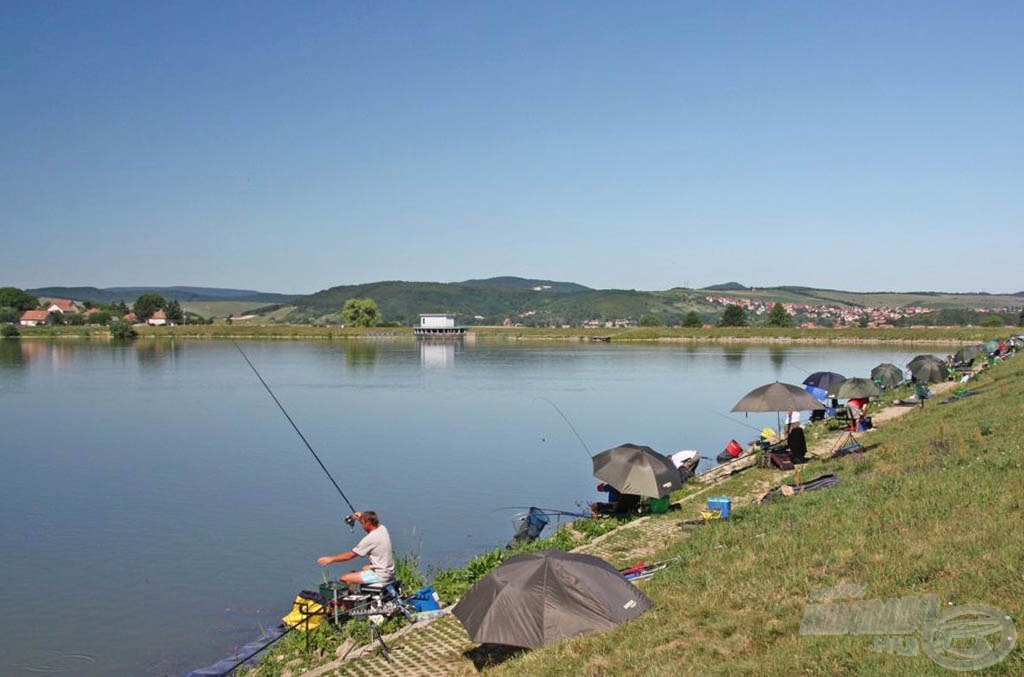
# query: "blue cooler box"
{"type": "Point", "coordinates": [426, 600]}
{"type": "Point", "coordinates": [721, 503]}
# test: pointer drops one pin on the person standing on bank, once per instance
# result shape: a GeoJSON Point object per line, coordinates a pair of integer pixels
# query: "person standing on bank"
{"type": "Point", "coordinates": [375, 546]}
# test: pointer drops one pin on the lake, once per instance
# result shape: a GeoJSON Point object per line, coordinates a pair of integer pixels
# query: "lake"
{"type": "Point", "coordinates": [158, 508]}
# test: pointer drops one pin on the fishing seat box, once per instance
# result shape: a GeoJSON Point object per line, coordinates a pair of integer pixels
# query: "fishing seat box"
{"type": "Point", "coordinates": [658, 506]}
{"type": "Point", "coordinates": [781, 460]}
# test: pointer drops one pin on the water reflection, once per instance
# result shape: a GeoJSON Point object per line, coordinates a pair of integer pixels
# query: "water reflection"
{"type": "Point", "coordinates": [437, 354]}
{"type": "Point", "coordinates": [734, 356]}
{"type": "Point", "coordinates": [361, 353]}
{"type": "Point", "coordinates": [777, 355]}
{"type": "Point", "coordinates": [152, 354]}
{"type": "Point", "coordinates": [11, 354]}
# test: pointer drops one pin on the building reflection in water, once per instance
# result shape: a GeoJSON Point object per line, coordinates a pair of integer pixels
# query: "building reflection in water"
{"type": "Point", "coordinates": [153, 353]}
{"type": "Point", "coordinates": [435, 354]}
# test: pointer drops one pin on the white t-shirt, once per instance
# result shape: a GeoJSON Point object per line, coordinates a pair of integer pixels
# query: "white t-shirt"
{"type": "Point", "coordinates": [376, 546]}
{"type": "Point", "coordinates": [681, 457]}
{"type": "Point", "coordinates": [793, 418]}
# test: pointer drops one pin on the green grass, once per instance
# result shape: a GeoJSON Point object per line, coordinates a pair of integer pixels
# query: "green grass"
{"type": "Point", "coordinates": [934, 508]}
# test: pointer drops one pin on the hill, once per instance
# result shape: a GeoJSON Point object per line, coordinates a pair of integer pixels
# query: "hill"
{"type": "Point", "coordinates": [534, 302]}
{"type": "Point", "coordinates": [176, 293]}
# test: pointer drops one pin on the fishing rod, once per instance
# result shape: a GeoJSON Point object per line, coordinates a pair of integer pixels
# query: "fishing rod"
{"type": "Point", "coordinates": [730, 418]}
{"type": "Point", "coordinates": [590, 456]}
{"type": "Point", "coordinates": [349, 519]}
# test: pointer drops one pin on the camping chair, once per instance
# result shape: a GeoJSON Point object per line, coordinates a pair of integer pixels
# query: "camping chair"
{"type": "Point", "coordinates": [846, 444]}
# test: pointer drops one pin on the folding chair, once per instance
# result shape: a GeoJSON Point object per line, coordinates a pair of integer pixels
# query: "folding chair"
{"type": "Point", "coordinates": [846, 444]}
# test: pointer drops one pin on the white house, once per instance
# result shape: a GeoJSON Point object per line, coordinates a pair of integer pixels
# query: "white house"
{"type": "Point", "coordinates": [438, 325]}
{"type": "Point", "coordinates": [158, 319]}
{"type": "Point", "coordinates": [33, 318]}
{"type": "Point", "coordinates": [62, 306]}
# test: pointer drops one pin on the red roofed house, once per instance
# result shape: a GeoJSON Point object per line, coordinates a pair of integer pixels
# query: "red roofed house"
{"type": "Point", "coordinates": [158, 318]}
{"type": "Point", "coordinates": [32, 318]}
{"type": "Point", "coordinates": [62, 306]}
{"type": "Point", "coordinates": [131, 317]}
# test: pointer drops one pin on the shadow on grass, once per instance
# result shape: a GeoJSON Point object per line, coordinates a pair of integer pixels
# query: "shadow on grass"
{"type": "Point", "coordinates": [490, 655]}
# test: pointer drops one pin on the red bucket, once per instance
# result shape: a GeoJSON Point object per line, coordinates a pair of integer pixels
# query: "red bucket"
{"type": "Point", "coordinates": [734, 448]}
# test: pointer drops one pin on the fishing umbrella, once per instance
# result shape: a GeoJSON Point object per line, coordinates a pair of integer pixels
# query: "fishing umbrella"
{"type": "Point", "coordinates": [777, 397]}
{"type": "Point", "coordinates": [929, 372]}
{"type": "Point", "coordinates": [857, 388]}
{"type": "Point", "coordinates": [635, 469]}
{"type": "Point", "coordinates": [539, 598]}
{"type": "Point", "coordinates": [824, 380]}
{"type": "Point", "coordinates": [991, 347]}
{"type": "Point", "coordinates": [921, 359]}
{"type": "Point", "coordinates": [887, 374]}
{"type": "Point", "coordinates": [968, 353]}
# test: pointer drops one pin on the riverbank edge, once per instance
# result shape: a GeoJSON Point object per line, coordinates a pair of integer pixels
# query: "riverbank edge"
{"type": "Point", "coordinates": [746, 335]}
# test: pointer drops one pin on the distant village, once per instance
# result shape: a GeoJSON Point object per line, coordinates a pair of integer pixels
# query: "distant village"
{"type": "Point", "coordinates": [828, 315]}
{"type": "Point", "coordinates": [59, 311]}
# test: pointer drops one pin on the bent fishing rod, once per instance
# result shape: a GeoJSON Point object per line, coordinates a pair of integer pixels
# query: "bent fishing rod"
{"type": "Point", "coordinates": [571, 426]}
{"type": "Point", "coordinates": [349, 519]}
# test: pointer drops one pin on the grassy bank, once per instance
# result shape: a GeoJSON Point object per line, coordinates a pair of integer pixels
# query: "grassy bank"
{"type": "Point", "coordinates": [938, 335]}
{"type": "Point", "coordinates": [933, 508]}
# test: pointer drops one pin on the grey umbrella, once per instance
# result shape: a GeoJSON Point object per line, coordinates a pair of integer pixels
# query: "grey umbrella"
{"type": "Point", "coordinates": [920, 359]}
{"type": "Point", "coordinates": [887, 374]}
{"type": "Point", "coordinates": [635, 469]}
{"type": "Point", "coordinates": [968, 353]}
{"type": "Point", "coordinates": [538, 598]}
{"type": "Point", "coordinates": [856, 388]}
{"type": "Point", "coordinates": [778, 397]}
{"type": "Point", "coordinates": [929, 372]}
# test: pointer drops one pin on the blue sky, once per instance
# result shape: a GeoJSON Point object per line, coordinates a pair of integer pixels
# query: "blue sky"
{"type": "Point", "coordinates": [296, 146]}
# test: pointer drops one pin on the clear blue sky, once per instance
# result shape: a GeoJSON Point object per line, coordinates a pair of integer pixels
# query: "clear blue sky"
{"type": "Point", "coordinates": [296, 146]}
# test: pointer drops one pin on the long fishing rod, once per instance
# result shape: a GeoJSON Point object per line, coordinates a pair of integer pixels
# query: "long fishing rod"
{"type": "Point", "coordinates": [565, 418]}
{"type": "Point", "coordinates": [730, 418]}
{"type": "Point", "coordinates": [301, 436]}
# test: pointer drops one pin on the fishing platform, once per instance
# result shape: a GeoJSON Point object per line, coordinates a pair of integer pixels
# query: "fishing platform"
{"type": "Point", "coordinates": [439, 325]}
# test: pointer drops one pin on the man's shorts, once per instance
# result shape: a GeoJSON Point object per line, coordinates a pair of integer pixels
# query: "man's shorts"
{"type": "Point", "coordinates": [371, 576]}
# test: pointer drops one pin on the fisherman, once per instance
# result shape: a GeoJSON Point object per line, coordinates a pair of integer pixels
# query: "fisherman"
{"type": "Point", "coordinates": [375, 546]}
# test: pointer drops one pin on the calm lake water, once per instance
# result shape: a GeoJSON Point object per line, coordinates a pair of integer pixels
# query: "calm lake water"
{"type": "Point", "coordinates": [157, 507]}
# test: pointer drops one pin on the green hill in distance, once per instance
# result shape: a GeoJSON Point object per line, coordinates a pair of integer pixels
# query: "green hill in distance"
{"type": "Point", "coordinates": [535, 302]}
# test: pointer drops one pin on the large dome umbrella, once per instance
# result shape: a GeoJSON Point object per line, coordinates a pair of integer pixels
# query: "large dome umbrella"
{"type": "Point", "coordinates": [921, 359]}
{"type": "Point", "coordinates": [887, 374]}
{"type": "Point", "coordinates": [929, 372]}
{"type": "Point", "coordinates": [536, 599]}
{"type": "Point", "coordinates": [991, 346]}
{"type": "Point", "coordinates": [635, 469]}
{"type": "Point", "coordinates": [778, 397]}
{"type": "Point", "coordinates": [856, 388]}
{"type": "Point", "coordinates": [968, 353]}
{"type": "Point", "coordinates": [824, 380]}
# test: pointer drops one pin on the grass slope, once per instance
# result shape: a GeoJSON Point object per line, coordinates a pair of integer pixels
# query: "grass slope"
{"type": "Point", "coordinates": [934, 508]}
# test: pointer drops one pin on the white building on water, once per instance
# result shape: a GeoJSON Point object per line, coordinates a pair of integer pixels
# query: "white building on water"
{"type": "Point", "coordinates": [438, 325]}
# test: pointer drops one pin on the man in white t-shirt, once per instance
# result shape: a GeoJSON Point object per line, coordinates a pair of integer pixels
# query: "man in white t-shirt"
{"type": "Point", "coordinates": [375, 546]}
{"type": "Point", "coordinates": [792, 420]}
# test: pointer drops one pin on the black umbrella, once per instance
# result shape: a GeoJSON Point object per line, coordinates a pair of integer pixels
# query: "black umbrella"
{"type": "Point", "coordinates": [856, 388]}
{"type": "Point", "coordinates": [824, 379]}
{"type": "Point", "coordinates": [929, 371]}
{"type": "Point", "coordinates": [887, 374]}
{"type": "Point", "coordinates": [634, 469]}
{"type": "Point", "coordinates": [538, 598]}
